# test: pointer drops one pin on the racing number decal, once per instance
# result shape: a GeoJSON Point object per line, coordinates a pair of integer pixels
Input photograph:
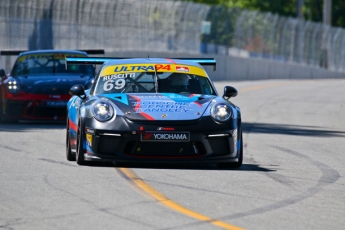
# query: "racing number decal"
{"type": "Point", "coordinates": [161, 67]}
{"type": "Point", "coordinates": [117, 81]}
{"type": "Point", "coordinates": [117, 84]}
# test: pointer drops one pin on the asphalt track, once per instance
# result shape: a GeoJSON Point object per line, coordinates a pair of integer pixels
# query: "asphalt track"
{"type": "Point", "coordinates": [292, 177]}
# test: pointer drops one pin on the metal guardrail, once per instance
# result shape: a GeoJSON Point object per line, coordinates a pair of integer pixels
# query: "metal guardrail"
{"type": "Point", "coordinates": [168, 26]}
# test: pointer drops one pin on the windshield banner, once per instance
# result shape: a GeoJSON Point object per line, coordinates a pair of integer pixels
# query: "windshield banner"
{"type": "Point", "coordinates": [132, 68]}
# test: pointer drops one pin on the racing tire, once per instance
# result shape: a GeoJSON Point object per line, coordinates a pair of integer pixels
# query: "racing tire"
{"type": "Point", "coordinates": [69, 155]}
{"type": "Point", "coordinates": [234, 164]}
{"type": "Point", "coordinates": [79, 154]}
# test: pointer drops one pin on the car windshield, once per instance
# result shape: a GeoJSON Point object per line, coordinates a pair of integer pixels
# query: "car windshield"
{"type": "Point", "coordinates": [48, 64]}
{"type": "Point", "coordinates": [151, 82]}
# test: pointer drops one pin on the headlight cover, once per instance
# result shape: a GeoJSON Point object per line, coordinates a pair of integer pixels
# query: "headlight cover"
{"type": "Point", "coordinates": [103, 111]}
{"type": "Point", "coordinates": [221, 112]}
{"type": "Point", "coordinates": [13, 86]}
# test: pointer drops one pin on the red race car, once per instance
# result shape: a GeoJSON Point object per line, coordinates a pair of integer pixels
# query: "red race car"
{"type": "Point", "coordinates": [37, 87]}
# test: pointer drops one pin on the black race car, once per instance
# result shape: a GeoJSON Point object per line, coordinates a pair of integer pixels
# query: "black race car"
{"type": "Point", "coordinates": [153, 110]}
{"type": "Point", "coordinates": [38, 85]}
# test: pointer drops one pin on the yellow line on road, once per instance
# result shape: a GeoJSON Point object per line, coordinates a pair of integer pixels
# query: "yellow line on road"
{"type": "Point", "coordinates": [171, 204]}
{"type": "Point", "coordinates": [175, 206]}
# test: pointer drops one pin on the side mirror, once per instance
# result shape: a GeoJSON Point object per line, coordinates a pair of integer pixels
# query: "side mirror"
{"type": "Point", "coordinates": [77, 90]}
{"type": "Point", "coordinates": [229, 91]}
{"type": "Point", "coordinates": [2, 74]}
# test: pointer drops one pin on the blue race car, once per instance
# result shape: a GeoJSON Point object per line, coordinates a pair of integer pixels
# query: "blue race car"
{"type": "Point", "coordinates": [37, 87]}
{"type": "Point", "coordinates": [153, 110]}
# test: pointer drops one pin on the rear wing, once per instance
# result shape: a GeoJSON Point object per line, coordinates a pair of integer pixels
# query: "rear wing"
{"type": "Point", "coordinates": [17, 52]}
{"type": "Point", "coordinates": [101, 60]}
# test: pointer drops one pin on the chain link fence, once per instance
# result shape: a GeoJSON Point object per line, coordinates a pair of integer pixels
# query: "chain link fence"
{"type": "Point", "coordinates": [109, 24]}
{"type": "Point", "coordinates": [269, 36]}
{"type": "Point", "coordinates": [168, 26]}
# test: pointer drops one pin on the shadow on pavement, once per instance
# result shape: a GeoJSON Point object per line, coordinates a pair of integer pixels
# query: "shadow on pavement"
{"type": "Point", "coordinates": [295, 130]}
{"type": "Point", "coordinates": [178, 166]}
{"type": "Point", "coordinates": [181, 166]}
{"type": "Point", "coordinates": [29, 126]}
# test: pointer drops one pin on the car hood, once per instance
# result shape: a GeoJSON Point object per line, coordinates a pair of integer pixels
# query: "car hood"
{"type": "Point", "coordinates": [58, 84]}
{"type": "Point", "coordinates": [160, 106]}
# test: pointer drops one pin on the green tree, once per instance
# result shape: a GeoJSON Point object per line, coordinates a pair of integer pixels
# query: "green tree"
{"type": "Point", "coordinates": [312, 9]}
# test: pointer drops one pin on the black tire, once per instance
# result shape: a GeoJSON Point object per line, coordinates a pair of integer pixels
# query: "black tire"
{"type": "Point", "coordinates": [69, 155]}
{"type": "Point", "coordinates": [240, 159]}
{"type": "Point", "coordinates": [234, 164]}
{"type": "Point", "coordinates": [79, 155]}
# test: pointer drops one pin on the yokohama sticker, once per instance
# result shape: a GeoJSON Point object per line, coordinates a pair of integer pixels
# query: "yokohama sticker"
{"type": "Point", "coordinates": [165, 136]}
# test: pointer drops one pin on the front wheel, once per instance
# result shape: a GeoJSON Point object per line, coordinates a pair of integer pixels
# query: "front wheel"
{"type": "Point", "coordinates": [234, 164]}
{"type": "Point", "coordinates": [79, 155]}
{"type": "Point", "coordinates": [69, 155]}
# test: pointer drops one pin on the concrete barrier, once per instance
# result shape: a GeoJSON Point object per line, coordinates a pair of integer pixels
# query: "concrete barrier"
{"type": "Point", "coordinates": [230, 68]}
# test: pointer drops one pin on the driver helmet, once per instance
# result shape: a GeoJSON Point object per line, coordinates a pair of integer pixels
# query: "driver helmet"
{"type": "Point", "coordinates": [73, 67]}
{"type": "Point", "coordinates": [177, 79]}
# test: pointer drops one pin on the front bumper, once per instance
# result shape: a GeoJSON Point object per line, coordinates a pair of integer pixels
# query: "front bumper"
{"type": "Point", "coordinates": [123, 140]}
{"type": "Point", "coordinates": [41, 107]}
{"type": "Point", "coordinates": [203, 147]}
{"type": "Point", "coordinates": [201, 160]}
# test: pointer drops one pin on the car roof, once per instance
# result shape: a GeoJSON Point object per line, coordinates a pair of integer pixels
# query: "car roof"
{"type": "Point", "coordinates": [151, 61]}
{"type": "Point", "coordinates": [52, 51]}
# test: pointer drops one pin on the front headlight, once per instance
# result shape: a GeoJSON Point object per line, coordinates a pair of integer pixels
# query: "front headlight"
{"type": "Point", "coordinates": [102, 110]}
{"type": "Point", "coordinates": [13, 86]}
{"type": "Point", "coordinates": [221, 112]}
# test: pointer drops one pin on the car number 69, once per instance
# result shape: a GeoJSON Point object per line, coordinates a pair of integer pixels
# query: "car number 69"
{"type": "Point", "coordinates": [110, 84]}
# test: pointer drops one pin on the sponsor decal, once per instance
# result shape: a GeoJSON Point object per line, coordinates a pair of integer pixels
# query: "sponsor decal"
{"type": "Point", "coordinates": [141, 68]}
{"type": "Point", "coordinates": [150, 97]}
{"type": "Point", "coordinates": [178, 97]}
{"type": "Point", "coordinates": [88, 130]}
{"type": "Point", "coordinates": [132, 68]}
{"type": "Point", "coordinates": [56, 103]}
{"type": "Point", "coordinates": [162, 67]}
{"type": "Point", "coordinates": [165, 136]}
{"type": "Point", "coordinates": [162, 107]}
{"type": "Point", "coordinates": [182, 68]}
{"type": "Point", "coordinates": [60, 56]}
{"type": "Point", "coordinates": [118, 76]}
{"type": "Point", "coordinates": [45, 56]}
{"type": "Point", "coordinates": [161, 104]}
{"type": "Point", "coordinates": [116, 81]}
{"type": "Point", "coordinates": [148, 117]}
{"type": "Point", "coordinates": [165, 129]}
{"type": "Point", "coordinates": [89, 139]}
